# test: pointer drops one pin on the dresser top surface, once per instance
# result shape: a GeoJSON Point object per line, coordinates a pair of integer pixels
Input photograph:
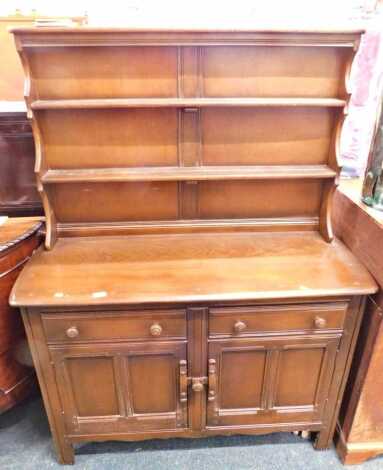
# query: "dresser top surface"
{"type": "Point", "coordinates": [189, 268]}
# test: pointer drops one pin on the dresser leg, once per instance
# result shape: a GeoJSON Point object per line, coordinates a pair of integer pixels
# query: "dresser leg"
{"type": "Point", "coordinates": [323, 439]}
{"type": "Point", "coordinates": [65, 452]}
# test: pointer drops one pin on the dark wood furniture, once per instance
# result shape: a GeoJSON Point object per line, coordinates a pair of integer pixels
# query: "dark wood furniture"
{"type": "Point", "coordinates": [18, 239]}
{"type": "Point", "coordinates": [188, 283]}
{"type": "Point", "coordinates": [359, 433]}
{"type": "Point", "coordinates": [18, 191]}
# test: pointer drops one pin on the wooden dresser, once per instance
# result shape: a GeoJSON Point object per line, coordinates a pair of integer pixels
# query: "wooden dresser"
{"type": "Point", "coordinates": [189, 284]}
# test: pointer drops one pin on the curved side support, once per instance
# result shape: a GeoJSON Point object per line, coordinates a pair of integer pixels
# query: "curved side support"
{"type": "Point", "coordinates": [329, 187]}
{"type": "Point", "coordinates": [30, 94]}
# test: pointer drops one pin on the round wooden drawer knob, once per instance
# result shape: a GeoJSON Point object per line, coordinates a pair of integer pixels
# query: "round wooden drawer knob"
{"type": "Point", "coordinates": [239, 326]}
{"type": "Point", "coordinates": [156, 330]}
{"type": "Point", "coordinates": [72, 332]}
{"type": "Point", "coordinates": [320, 322]}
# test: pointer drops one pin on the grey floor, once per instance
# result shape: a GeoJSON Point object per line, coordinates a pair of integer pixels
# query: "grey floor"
{"type": "Point", "coordinates": [25, 444]}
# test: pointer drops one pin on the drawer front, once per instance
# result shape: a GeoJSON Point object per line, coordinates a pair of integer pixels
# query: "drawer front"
{"type": "Point", "coordinates": [99, 326]}
{"type": "Point", "coordinates": [244, 321]}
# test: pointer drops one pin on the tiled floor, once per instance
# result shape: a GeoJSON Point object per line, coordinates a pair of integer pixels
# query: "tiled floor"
{"type": "Point", "coordinates": [25, 444]}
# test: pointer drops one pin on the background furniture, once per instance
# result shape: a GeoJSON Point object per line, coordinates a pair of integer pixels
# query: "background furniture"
{"type": "Point", "coordinates": [360, 425]}
{"type": "Point", "coordinates": [18, 239]}
{"type": "Point", "coordinates": [188, 282]}
{"type": "Point", "coordinates": [18, 192]}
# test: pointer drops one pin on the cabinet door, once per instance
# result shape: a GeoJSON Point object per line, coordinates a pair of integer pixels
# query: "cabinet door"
{"type": "Point", "coordinates": [121, 388]}
{"type": "Point", "coordinates": [273, 381]}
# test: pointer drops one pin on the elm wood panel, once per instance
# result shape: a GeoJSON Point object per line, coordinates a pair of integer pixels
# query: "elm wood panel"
{"type": "Point", "coordinates": [150, 376]}
{"type": "Point", "coordinates": [139, 392]}
{"type": "Point", "coordinates": [267, 319]}
{"type": "Point", "coordinates": [298, 386]}
{"type": "Point", "coordinates": [256, 380]}
{"type": "Point", "coordinates": [116, 325]}
{"type": "Point", "coordinates": [105, 138]}
{"type": "Point", "coordinates": [190, 268]}
{"type": "Point", "coordinates": [94, 385]}
{"type": "Point", "coordinates": [274, 71]}
{"type": "Point", "coordinates": [18, 192]}
{"type": "Point", "coordinates": [265, 136]}
{"type": "Point", "coordinates": [99, 202]}
{"type": "Point", "coordinates": [246, 367]}
{"type": "Point", "coordinates": [253, 199]}
{"type": "Point", "coordinates": [103, 72]}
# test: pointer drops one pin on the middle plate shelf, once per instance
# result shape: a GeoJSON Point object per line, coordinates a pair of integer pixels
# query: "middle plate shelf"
{"type": "Point", "coordinates": [102, 103]}
{"type": "Point", "coordinates": [197, 173]}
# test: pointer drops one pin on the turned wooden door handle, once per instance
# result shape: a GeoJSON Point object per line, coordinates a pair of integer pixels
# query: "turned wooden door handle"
{"type": "Point", "coordinates": [155, 329]}
{"type": "Point", "coordinates": [212, 380]}
{"type": "Point", "coordinates": [197, 384]}
{"type": "Point", "coordinates": [72, 332]}
{"type": "Point", "coordinates": [183, 381]}
{"type": "Point", "coordinates": [239, 326]}
{"type": "Point", "coordinates": [320, 322]}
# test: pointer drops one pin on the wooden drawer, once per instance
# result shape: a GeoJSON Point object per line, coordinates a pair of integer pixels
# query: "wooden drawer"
{"type": "Point", "coordinates": [253, 320]}
{"type": "Point", "coordinates": [106, 326]}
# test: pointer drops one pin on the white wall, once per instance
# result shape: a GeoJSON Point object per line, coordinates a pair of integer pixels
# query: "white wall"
{"type": "Point", "coordinates": [117, 11]}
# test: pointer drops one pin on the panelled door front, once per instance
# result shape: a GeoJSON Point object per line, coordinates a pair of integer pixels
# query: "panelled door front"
{"type": "Point", "coordinates": [269, 381]}
{"type": "Point", "coordinates": [131, 387]}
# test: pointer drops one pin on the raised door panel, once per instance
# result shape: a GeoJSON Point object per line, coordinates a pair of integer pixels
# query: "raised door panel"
{"type": "Point", "coordinates": [278, 71]}
{"type": "Point", "coordinates": [269, 381]}
{"type": "Point", "coordinates": [241, 378]}
{"type": "Point", "coordinates": [94, 385]}
{"type": "Point", "coordinates": [303, 377]}
{"type": "Point", "coordinates": [152, 383]}
{"type": "Point", "coordinates": [104, 72]}
{"type": "Point", "coordinates": [126, 388]}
